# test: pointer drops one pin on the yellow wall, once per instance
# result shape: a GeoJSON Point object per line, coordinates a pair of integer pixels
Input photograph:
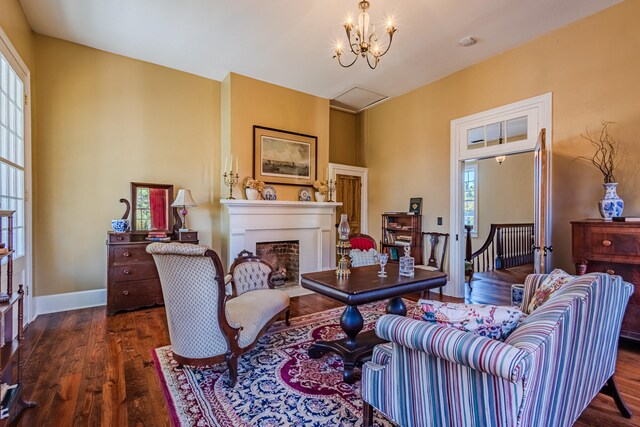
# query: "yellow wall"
{"type": "Point", "coordinates": [505, 193]}
{"type": "Point", "coordinates": [344, 147]}
{"type": "Point", "coordinates": [14, 23]}
{"type": "Point", "coordinates": [103, 121]}
{"type": "Point", "coordinates": [592, 68]}
{"type": "Point", "coordinates": [254, 102]}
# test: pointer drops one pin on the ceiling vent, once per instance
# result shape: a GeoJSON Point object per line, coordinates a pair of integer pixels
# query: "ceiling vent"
{"type": "Point", "coordinates": [356, 99]}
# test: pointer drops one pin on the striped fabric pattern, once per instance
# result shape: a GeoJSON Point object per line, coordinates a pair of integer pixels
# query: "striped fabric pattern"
{"type": "Point", "coordinates": [545, 373]}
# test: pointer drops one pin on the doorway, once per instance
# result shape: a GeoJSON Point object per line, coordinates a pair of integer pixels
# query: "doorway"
{"type": "Point", "coordinates": [351, 190]}
{"type": "Point", "coordinates": [499, 209]}
{"type": "Point", "coordinates": [494, 136]}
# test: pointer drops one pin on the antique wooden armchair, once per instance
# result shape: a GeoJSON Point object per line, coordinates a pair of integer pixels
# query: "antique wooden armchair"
{"type": "Point", "coordinates": [205, 325]}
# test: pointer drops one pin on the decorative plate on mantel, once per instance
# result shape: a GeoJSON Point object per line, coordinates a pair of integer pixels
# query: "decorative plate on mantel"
{"type": "Point", "coordinates": [304, 195]}
{"type": "Point", "coordinates": [269, 193]}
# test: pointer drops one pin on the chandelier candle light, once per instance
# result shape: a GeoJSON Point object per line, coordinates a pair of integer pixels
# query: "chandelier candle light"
{"type": "Point", "coordinates": [364, 41]}
{"type": "Point", "coordinates": [184, 201]}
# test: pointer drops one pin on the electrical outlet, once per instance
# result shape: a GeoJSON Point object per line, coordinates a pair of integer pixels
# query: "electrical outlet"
{"type": "Point", "coordinates": [439, 220]}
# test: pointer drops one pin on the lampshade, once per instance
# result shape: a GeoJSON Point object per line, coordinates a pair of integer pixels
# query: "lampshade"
{"type": "Point", "coordinates": [184, 199]}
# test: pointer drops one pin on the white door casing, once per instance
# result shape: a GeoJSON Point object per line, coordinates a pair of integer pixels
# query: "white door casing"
{"type": "Point", "coordinates": [539, 116]}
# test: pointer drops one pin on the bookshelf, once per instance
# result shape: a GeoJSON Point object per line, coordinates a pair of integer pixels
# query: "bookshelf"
{"type": "Point", "coordinates": [401, 229]}
{"type": "Point", "coordinates": [11, 362]}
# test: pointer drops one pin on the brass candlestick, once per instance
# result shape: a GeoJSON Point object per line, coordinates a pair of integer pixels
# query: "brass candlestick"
{"type": "Point", "coordinates": [231, 180]}
{"type": "Point", "coordinates": [332, 189]}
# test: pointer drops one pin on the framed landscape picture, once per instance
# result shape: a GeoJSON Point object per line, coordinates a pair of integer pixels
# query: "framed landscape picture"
{"type": "Point", "coordinates": [282, 157]}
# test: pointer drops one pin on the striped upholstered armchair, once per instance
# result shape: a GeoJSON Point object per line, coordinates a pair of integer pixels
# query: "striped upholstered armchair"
{"type": "Point", "coordinates": [544, 374]}
{"type": "Point", "coordinates": [205, 325]}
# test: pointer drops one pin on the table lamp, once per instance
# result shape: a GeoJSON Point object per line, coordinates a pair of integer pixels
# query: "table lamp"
{"type": "Point", "coordinates": [184, 200]}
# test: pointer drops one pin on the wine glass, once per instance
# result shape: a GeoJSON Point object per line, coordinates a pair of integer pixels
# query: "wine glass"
{"type": "Point", "coordinates": [382, 260]}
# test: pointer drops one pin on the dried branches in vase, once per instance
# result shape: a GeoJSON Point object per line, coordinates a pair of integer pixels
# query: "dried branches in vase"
{"type": "Point", "coordinates": [606, 156]}
{"type": "Point", "coordinates": [606, 160]}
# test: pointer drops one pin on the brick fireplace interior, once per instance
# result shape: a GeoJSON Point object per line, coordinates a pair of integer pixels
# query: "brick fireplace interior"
{"type": "Point", "coordinates": [284, 256]}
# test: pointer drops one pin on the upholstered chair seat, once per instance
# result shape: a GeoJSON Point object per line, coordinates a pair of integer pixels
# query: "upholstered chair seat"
{"type": "Point", "coordinates": [206, 326]}
{"type": "Point", "coordinates": [252, 310]}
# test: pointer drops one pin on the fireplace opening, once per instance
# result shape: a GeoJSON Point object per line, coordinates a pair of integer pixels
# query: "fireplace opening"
{"type": "Point", "coordinates": [284, 256]}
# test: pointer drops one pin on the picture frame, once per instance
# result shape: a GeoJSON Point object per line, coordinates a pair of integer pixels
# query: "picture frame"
{"type": "Point", "coordinates": [415, 205]}
{"type": "Point", "coordinates": [283, 157]}
{"type": "Point", "coordinates": [393, 254]}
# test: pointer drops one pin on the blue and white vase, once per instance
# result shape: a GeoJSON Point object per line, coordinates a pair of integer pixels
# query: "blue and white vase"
{"type": "Point", "coordinates": [611, 205]}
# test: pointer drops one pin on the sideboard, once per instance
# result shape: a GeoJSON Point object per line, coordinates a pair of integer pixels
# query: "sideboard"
{"type": "Point", "coordinates": [614, 248]}
{"type": "Point", "coordinates": [132, 277]}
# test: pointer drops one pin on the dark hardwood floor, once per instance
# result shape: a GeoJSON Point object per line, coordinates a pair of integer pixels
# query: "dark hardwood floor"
{"type": "Point", "coordinates": [84, 368]}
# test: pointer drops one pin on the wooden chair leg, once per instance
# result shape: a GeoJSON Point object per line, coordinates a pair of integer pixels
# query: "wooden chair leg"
{"type": "Point", "coordinates": [611, 389]}
{"type": "Point", "coordinates": [367, 414]}
{"type": "Point", "coordinates": [287, 315]}
{"type": "Point", "coordinates": [232, 364]}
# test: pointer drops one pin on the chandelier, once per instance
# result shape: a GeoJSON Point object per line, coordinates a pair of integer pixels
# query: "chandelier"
{"type": "Point", "coordinates": [364, 42]}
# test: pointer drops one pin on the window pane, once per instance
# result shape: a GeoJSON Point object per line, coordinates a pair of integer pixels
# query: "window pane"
{"type": "Point", "coordinates": [494, 134]}
{"type": "Point", "coordinates": [517, 129]}
{"type": "Point", "coordinates": [475, 138]}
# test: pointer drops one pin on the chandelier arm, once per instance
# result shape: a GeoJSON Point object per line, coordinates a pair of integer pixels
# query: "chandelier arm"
{"type": "Point", "coordinates": [351, 44]}
{"type": "Point", "coordinates": [388, 46]}
{"type": "Point", "coordinates": [348, 65]}
{"type": "Point", "coordinates": [373, 67]}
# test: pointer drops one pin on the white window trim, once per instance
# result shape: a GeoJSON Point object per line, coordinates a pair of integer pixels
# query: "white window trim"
{"type": "Point", "coordinates": [19, 66]}
{"type": "Point", "coordinates": [543, 106]}
{"type": "Point", "coordinates": [474, 232]}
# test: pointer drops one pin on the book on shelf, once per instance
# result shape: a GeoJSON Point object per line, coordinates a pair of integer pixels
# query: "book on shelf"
{"type": "Point", "coordinates": [157, 234]}
{"type": "Point", "coordinates": [10, 395]}
{"type": "Point", "coordinates": [395, 213]}
{"type": "Point", "coordinates": [626, 219]}
{"type": "Point", "coordinates": [406, 238]}
{"type": "Point", "coordinates": [403, 243]}
{"type": "Point", "coordinates": [159, 239]}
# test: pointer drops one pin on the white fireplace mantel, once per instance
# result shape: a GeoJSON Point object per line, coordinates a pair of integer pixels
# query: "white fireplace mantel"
{"type": "Point", "coordinates": [312, 224]}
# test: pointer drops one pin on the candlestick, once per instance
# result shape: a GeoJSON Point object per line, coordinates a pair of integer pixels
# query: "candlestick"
{"type": "Point", "coordinates": [236, 164]}
{"type": "Point", "coordinates": [231, 180]}
{"type": "Point", "coordinates": [231, 165]}
{"type": "Point", "coordinates": [226, 163]}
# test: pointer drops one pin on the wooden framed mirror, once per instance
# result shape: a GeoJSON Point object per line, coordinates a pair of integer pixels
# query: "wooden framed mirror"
{"type": "Point", "coordinates": [151, 208]}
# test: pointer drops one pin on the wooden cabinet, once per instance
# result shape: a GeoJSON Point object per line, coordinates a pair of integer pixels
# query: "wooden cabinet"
{"type": "Point", "coordinates": [11, 363]}
{"type": "Point", "coordinates": [614, 248]}
{"type": "Point", "coordinates": [400, 230]}
{"type": "Point", "coordinates": [132, 277]}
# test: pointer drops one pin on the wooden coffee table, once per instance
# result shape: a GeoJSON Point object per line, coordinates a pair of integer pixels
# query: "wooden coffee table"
{"type": "Point", "coordinates": [361, 287]}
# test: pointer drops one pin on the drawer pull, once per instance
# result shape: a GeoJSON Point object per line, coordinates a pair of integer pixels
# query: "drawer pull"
{"type": "Point", "coordinates": [611, 272]}
{"type": "Point", "coordinates": [606, 243]}
{"type": "Point", "coordinates": [125, 292]}
{"type": "Point", "coordinates": [126, 271]}
{"type": "Point", "coordinates": [126, 253]}
{"type": "Point", "coordinates": [119, 238]}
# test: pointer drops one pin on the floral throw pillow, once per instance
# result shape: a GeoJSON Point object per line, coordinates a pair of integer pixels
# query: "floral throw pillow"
{"type": "Point", "coordinates": [491, 321]}
{"type": "Point", "coordinates": [554, 281]}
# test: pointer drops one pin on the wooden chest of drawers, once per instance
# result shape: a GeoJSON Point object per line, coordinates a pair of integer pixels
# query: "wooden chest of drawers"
{"type": "Point", "coordinates": [132, 277]}
{"type": "Point", "coordinates": [614, 248]}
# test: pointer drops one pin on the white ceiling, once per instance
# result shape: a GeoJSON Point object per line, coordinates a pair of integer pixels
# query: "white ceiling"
{"type": "Point", "coordinates": [290, 42]}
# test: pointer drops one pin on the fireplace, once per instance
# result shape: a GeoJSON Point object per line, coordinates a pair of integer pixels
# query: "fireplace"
{"type": "Point", "coordinates": [312, 225]}
{"type": "Point", "coordinates": [284, 256]}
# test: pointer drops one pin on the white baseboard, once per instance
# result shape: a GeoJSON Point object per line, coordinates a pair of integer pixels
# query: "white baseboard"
{"type": "Point", "coordinates": [70, 301]}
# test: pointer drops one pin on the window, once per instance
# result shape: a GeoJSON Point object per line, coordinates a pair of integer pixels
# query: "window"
{"type": "Point", "coordinates": [12, 151]}
{"type": "Point", "coordinates": [471, 198]}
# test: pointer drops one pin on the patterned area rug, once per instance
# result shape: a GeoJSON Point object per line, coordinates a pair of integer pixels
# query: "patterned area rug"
{"type": "Point", "coordinates": [278, 385]}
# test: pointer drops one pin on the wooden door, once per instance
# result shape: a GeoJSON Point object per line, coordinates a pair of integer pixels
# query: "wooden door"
{"type": "Point", "coordinates": [348, 191]}
{"type": "Point", "coordinates": [541, 250]}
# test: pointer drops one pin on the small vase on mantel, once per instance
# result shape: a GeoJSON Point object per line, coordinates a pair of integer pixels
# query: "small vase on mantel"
{"type": "Point", "coordinates": [319, 197]}
{"type": "Point", "coordinates": [252, 193]}
{"type": "Point", "coordinates": [611, 205]}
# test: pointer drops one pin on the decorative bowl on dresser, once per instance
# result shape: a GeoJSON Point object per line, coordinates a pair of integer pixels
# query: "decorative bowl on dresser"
{"type": "Point", "coordinates": [132, 277]}
{"type": "Point", "coordinates": [614, 248]}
